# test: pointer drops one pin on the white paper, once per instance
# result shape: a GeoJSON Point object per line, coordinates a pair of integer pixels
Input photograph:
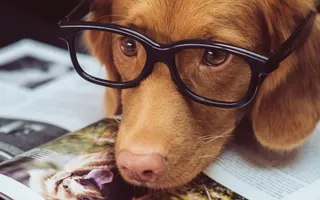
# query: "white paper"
{"type": "Point", "coordinates": [17, 191]}
{"type": "Point", "coordinates": [257, 174]}
{"type": "Point", "coordinates": [68, 101]}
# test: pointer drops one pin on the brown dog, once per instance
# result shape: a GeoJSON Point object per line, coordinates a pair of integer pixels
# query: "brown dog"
{"type": "Point", "coordinates": [166, 139]}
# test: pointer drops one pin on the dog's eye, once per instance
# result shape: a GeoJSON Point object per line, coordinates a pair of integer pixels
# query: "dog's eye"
{"type": "Point", "coordinates": [129, 47]}
{"type": "Point", "coordinates": [65, 187]}
{"type": "Point", "coordinates": [214, 57]}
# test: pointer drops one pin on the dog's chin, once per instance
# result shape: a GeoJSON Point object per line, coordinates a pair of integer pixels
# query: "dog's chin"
{"type": "Point", "coordinates": [149, 185]}
{"type": "Point", "coordinates": [157, 185]}
{"type": "Point", "coordinates": [166, 181]}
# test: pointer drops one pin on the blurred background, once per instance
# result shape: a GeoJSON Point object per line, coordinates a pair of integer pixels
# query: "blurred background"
{"type": "Point", "coordinates": [33, 19]}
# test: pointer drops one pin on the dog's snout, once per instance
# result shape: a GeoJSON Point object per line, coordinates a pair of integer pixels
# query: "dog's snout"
{"type": "Point", "coordinates": [142, 168]}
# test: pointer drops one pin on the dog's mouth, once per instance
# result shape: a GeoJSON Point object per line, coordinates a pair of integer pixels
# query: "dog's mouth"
{"type": "Point", "coordinates": [136, 179]}
{"type": "Point", "coordinates": [141, 183]}
{"type": "Point", "coordinates": [171, 174]}
{"type": "Point", "coordinates": [163, 181]}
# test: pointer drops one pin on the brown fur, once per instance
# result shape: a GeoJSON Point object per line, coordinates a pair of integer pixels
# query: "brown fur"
{"type": "Point", "coordinates": [157, 117]}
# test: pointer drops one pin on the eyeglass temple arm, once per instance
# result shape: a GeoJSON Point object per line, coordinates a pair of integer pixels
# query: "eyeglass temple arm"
{"type": "Point", "coordinates": [78, 12]}
{"type": "Point", "coordinates": [297, 38]}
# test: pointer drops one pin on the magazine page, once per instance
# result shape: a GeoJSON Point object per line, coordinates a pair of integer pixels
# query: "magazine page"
{"type": "Point", "coordinates": [81, 165]}
{"type": "Point", "coordinates": [256, 173]}
{"type": "Point", "coordinates": [42, 97]}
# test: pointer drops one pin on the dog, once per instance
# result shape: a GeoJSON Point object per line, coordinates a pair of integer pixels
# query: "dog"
{"type": "Point", "coordinates": [86, 177]}
{"type": "Point", "coordinates": [165, 139]}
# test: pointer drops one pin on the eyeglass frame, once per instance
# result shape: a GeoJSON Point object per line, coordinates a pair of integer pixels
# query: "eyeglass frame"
{"type": "Point", "coordinates": [261, 66]}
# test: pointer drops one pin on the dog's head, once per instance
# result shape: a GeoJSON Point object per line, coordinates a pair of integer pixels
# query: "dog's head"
{"type": "Point", "coordinates": [166, 139]}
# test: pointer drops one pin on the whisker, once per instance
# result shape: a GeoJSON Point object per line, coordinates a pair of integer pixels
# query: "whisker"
{"type": "Point", "coordinates": [207, 156]}
{"type": "Point", "coordinates": [225, 135]}
{"type": "Point", "coordinates": [213, 138]}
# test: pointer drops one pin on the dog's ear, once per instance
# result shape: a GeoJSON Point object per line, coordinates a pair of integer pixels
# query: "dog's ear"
{"type": "Point", "coordinates": [287, 107]}
{"type": "Point", "coordinates": [100, 46]}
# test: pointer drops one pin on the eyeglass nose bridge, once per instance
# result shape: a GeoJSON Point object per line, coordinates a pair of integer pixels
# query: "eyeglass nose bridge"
{"type": "Point", "coordinates": [164, 56]}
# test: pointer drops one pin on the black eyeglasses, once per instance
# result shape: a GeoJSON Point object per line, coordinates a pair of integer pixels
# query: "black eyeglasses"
{"type": "Point", "coordinates": [219, 67]}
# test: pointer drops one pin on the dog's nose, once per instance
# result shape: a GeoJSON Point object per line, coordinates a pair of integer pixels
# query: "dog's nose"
{"type": "Point", "coordinates": [142, 168]}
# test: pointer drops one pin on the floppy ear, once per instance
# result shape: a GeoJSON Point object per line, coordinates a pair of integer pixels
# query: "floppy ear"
{"type": "Point", "coordinates": [100, 46]}
{"type": "Point", "coordinates": [287, 107]}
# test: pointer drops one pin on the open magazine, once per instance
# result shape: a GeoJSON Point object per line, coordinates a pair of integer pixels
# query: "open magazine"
{"type": "Point", "coordinates": [42, 99]}
{"type": "Point", "coordinates": [81, 165]}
